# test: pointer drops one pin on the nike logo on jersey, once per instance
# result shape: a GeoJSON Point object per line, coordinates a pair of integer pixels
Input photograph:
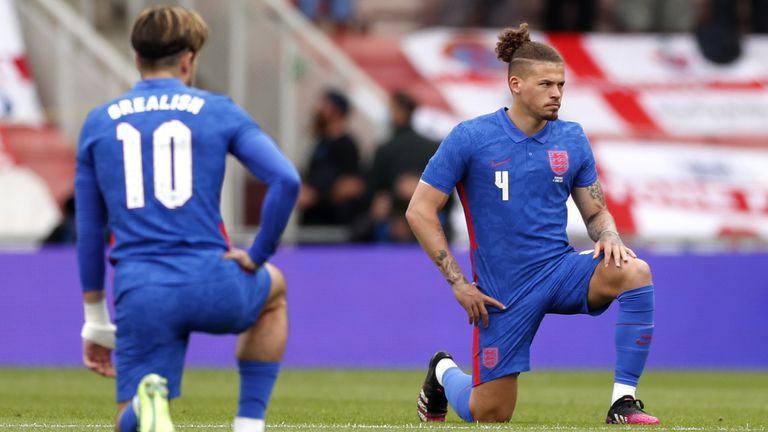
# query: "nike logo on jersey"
{"type": "Point", "coordinates": [495, 163]}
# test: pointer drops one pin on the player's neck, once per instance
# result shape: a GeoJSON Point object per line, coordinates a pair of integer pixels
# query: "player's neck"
{"type": "Point", "coordinates": [158, 74]}
{"type": "Point", "coordinates": [527, 123]}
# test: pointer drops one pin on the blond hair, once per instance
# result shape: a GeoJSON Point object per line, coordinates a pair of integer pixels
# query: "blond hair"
{"type": "Point", "coordinates": [162, 33]}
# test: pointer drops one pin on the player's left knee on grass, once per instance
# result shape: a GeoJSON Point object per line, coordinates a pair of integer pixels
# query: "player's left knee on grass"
{"type": "Point", "coordinates": [495, 413]}
{"type": "Point", "coordinates": [121, 407]}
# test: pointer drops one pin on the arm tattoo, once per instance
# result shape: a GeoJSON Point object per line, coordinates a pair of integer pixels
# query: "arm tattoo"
{"type": "Point", "coordinates": [602, 220]}
{"type": "Point", "coordinates": [596, 192]}
{"type": "Point", "coordinates": [449, 268]}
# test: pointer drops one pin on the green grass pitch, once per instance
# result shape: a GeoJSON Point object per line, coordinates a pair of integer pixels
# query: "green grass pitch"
{"type": "Point", "coordinates": [372, 400]}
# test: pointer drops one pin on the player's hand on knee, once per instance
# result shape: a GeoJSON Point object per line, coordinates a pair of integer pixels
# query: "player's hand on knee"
{"type": "Point", "coordinates": [242, 258]}
{"type": "Point", "coordinates": [98, 358]}
{"type": "Point", "coordinates": [613, 247]}
{"type": "Point", "coordinates": [473, 301]}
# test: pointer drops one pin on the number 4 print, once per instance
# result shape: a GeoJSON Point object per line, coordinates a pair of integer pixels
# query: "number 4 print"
{"type": "Point", "coordinates": [502, 182]}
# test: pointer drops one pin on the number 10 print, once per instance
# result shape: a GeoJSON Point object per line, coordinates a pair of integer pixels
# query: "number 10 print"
{"type": "Point", "coordinates": [172, 156]}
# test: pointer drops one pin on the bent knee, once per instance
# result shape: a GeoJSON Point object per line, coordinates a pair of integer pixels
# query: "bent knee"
{"type": "Point", "coordinates": [493, 415]}
{"type": "Point", "coordinates": [277, 289]}
{"type": "Point", "coordinates": [640, 275]}
{"type": "Point", "coordinates": [278, 285]}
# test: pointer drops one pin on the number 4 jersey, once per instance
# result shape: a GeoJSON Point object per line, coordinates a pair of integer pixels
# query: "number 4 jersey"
{"type": "Point", "coordinates": [514, 190]}
{"type": "Point", "coordinates": [150, 165]}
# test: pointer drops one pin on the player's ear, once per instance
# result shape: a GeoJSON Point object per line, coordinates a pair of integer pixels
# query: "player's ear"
{"type": "Point", "coordinates": [514, 82]}
{"type": "Point", "coordinates": [186, 60]}
{"type": "Point", "coordinates": [186, 63]}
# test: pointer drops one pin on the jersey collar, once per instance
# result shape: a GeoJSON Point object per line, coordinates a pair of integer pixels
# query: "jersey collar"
{"type": "Point", "coordinates": [155, 83]}
{"type": "Point", "coordinates": [516, 134]}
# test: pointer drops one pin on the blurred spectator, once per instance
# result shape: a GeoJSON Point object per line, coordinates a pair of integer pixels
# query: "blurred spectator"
{"type": "Point", "coordinates": [333, 186]}
{"type": "Point", "coordinates": [396, 171]}
{"type": "Point", "coordinates": [759, 16]}
{"type": "Point", "coordinates": [718, 31]}
{"type": "Point", "coordinates": [722, 22]}
{"type": "Point", "coordinates": [483, 13]}
{"type": "Point", "coordinates": [66, 231]}
{"type": "Point", "coordinates": [654, 16]}
{"type": "Point", "coordinates": [340, 12]}
{"type": "Point", "coordinates": [569, 15]}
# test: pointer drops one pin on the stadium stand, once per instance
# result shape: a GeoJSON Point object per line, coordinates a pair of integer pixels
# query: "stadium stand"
{"type": "Point", "coordinates": [36, 161]}
{"type": "Point", "coordinates": [648, 95]}
{"type": "Point", "coordinates": [681, 144]}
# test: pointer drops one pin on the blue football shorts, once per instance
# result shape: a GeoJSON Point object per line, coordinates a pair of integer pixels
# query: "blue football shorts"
{"type": "Point", "coordinates": [154, 323]}
{"type": "Point", "coordinates": [561, 287]}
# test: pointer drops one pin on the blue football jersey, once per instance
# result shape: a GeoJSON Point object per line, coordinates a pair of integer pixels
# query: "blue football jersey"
{"type": "Point", "coordinates": [153, 159]}
{"type": "Point", "coordinates": [514, 190]}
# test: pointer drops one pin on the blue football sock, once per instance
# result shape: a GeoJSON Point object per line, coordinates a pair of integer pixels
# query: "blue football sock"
{"type": "Point", "coordinates": [458, 388]}
{"type": "Point", "coordinates": [634, 331]}
{"type": "Point", "coordinates": [128, 421]}
{"type": "Point", "coordinates": [256, 382]}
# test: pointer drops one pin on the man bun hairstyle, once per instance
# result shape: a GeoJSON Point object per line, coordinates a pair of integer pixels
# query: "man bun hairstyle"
{"type": "Point", "coordinates": [162, 33]}
{"type": "Point", "coordinates": [516, 48]}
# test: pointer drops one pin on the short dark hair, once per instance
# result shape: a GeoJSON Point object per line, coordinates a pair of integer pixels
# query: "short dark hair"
{"type": "Point", "coordinates": [338, 100]}
{"type": "Point", "coordinates": [162, 34]}
{"type": "Point", "coordinates": [405, 102]}
{"type": "Point", "coordinates": [516, 48]}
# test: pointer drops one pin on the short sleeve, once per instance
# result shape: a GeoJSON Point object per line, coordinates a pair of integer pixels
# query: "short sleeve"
{"type": "Point", "coordinates": [587, 174]}
{"type": "Point", "coordinates": [448, 165]}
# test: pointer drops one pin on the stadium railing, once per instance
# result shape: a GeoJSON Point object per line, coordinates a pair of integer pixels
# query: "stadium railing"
{"type": "Point", "coordinates": [265, 54]}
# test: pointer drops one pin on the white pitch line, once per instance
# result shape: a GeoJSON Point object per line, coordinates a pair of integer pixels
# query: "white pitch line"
{"type": "Point", "coordinates": [354, 426]}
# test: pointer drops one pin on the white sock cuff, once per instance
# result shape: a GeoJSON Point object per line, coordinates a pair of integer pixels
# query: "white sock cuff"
{"type": "Point", "coordinates": [245, 424]}
{"type": "Point", "coordinates": [442, 366]}
{"type": "Point", "coordinates": [621, 390]}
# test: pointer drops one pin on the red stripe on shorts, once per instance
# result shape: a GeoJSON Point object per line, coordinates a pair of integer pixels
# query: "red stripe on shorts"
{"type": "Point", "coordinates": [470, 226]}
{"type": "Point", "coordinates": [473, 245]}
{"type": "Point", "coordinates": [476, 356]}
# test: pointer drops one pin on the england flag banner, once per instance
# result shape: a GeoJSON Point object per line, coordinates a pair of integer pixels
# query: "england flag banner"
{"type": "Point", "coordinates": [685, 191]}
{"type": "Point", "coordinates": [681, 143]}
{"type": "Point", "coordinates": [19, 103]}
{"type": "Point", "coordinates": [615, 84]}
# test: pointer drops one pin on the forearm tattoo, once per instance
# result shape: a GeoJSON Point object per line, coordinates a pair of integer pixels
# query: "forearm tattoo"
{"type": "Point", "coordinates": [602, 220]}
{"type": "Point", "coordinates": [449, 267]}
{"type": "Point", "coordinates": [599, 223]}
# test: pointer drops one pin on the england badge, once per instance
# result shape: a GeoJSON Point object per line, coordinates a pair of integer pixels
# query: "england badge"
{"type": "Point", "coordinates": [558, 161]}
{"type": "Point", "coordinates": [490, 357]}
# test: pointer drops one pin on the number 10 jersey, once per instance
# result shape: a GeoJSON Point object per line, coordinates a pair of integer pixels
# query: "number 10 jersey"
{"type": "Point", "coordinates": [153, 162]}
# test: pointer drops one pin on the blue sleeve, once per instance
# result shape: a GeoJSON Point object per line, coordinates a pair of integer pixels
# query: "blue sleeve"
{"type": "Point", "coordinates": [91, 219]}
{"type": "Point", "coordinates": [587, 174]}
{"type": "Point", "coordinates": [259, 153]}
{"type": "Point", "coordinates": [447, 167]}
